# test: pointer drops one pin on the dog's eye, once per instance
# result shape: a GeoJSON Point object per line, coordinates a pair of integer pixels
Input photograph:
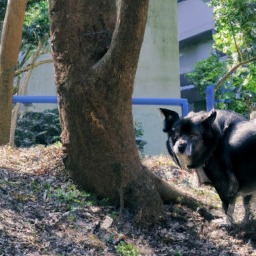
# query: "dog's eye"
{"type": "Point", "coordinates": [175, 132]}
{"type": "Point", "coordinates": [194, 136]}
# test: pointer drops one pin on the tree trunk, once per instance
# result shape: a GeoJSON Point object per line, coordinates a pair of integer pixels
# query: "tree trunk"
{"type": "Point", "coordinates": [21, 91]}
{"type": "Point", "coordinates": [10, 45]}
{"type": "Point", "coordinates": [95, 62]}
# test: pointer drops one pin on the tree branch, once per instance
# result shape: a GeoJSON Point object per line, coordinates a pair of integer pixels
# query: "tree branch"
{"type": "Point", "coordinates": [31, 66]}
{"type": "Point", "coordinates": [234, 38]}
{"type": "Point", "coordinates": [26, 54]}
{"type": "Point", "coordinates": [128, 35]}
{"type": "Point", "coordinates": [233, 69]}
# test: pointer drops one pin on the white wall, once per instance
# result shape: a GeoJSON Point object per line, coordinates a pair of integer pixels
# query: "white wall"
{"type": "Point", "coordinates": [158, 71]}
{"type": "Point", "coordinates": [42, 83]}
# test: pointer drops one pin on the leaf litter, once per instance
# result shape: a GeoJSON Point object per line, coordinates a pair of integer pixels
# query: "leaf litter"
{"type": "Point", "coordinates": [43, 213]}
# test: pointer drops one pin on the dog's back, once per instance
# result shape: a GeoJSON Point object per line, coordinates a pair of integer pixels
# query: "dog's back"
{"type": "Point", "coordinates": [226, 119]}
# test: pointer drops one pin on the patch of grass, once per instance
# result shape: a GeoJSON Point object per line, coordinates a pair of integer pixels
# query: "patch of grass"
{"type": "Point", "coordinates": [71, 217]}
{"type": "Point", "coordinates": [177, 253]}
{"type": "Point", "coordinates": [113, 214]}
{"type": "Point", "coordinates": [70, 196]}
{"type": "Point", "coordinates": [35, 186]}
{"type": "Point", "coordinates": [193, 232]}
{"type": "Point", "coordinates": [126, 249]}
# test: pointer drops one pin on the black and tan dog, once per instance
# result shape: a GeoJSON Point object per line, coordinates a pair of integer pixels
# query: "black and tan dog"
{"type": "Point", "coordinates": [221, 147]}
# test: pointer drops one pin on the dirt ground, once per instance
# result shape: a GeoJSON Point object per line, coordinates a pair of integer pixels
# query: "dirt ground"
{"type": "Point", "coordinates": [43, 213]}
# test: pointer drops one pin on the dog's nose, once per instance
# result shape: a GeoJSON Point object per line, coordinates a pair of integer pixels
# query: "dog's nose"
{"type": "Point", "coordinates": [182, 147]}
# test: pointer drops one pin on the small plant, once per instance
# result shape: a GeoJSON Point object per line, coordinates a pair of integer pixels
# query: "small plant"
{"type": "Point", "coordinates": [138, 131]}
{"type": "Point", "coordinates": [69, 195]}
{"type": "Point", "coordinates": [109, 240]}
{"type": "Point", "coordinates": [177, 253]}
{"type": "Point", "coordinates": [113, 214]}
{"type": "Point", "coordinates": [35, 186]}
{"type": "Point", "coordinates": [193, 232]}
{"type": "Point", "coordinates": [47, 186]}
{"type": "Point", "coordinates": [126, 249]}
{"type": "Point", "coordinates": [37, 128]}
{"type": "Point", "coordinates": [179, 199]}
{"type": "Point", "coordinates": [71, 217]}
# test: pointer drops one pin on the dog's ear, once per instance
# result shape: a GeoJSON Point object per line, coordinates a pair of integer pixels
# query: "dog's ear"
{"type": "Point", "coordinates": [169, 117]}
{"type": "Point", "coordinates": [207, 122]}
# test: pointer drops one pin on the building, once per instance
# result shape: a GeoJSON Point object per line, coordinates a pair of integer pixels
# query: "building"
{"type": "Point", "coordinates": [195, 30]}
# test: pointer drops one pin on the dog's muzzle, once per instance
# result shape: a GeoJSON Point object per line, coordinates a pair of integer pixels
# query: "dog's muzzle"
{"type": "Point", "coordinates": [183, 148]}
{"type": "Point", "coordinates": [184, 160]}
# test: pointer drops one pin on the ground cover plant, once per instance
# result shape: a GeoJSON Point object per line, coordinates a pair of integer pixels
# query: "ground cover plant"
{"type": "Point", "coordinates": [43, 213]}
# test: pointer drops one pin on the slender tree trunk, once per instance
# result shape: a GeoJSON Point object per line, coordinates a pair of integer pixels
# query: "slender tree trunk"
{"type": "Point", "coordinates": [95, 61]}
{"type": "Point", "coordinates": [10, 45]}
{"type": "Point", "coordinates": [21, 91]}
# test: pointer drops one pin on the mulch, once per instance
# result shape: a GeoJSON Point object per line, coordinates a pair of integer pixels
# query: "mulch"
{"type": "Point", "coordinates": [43, 213]}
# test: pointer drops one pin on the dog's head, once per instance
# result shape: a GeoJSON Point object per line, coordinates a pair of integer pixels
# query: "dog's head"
{"type": "Point", "coordinates": [188, 137]}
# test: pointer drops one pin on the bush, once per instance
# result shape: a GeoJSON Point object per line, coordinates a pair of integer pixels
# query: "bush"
{"type": "Point", "coordinates": [44, 128]}
{"type": "Point", "coordinates": [37, 128]}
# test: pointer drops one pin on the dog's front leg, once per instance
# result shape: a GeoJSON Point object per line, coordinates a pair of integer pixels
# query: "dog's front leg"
{"type": "Point", "coordinates": [233, 184]}
{"type": "Point", "coordinates": [246, 202]}
{"type": "Point", "coordinates": [230, 211]}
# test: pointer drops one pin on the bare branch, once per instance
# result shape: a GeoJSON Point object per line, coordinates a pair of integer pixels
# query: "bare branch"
{"type": "Point", "coordinates": [31, 66]}
{"type": "Point", "coordinates": [237, 46]}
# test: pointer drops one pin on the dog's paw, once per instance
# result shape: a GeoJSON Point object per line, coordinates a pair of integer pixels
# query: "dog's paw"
{"type": "Point", "coordinates": [230, 221]}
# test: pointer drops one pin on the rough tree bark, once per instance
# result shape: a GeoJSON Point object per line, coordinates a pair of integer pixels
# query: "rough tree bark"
{"type": "Point", "coordinates": [95, 61]}
{"type": "Point", "coordinates": [10, 45]}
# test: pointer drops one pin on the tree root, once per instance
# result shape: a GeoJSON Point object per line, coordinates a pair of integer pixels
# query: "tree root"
{"type": "Point", "coordinates": [169, 193]}
{"type": "Point", "coordinates": [147, 194]}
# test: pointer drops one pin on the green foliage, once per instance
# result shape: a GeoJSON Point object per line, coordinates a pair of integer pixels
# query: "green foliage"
{"type": "Point", "coordinates": [178, 253]}
{"type": "Point", "coordinates": [44, 128]}
{"type": "Point", "coordinates": [138, 131]}
{"type": "Point", "coordinates": [35, 186]}
{"type": "Point", "coordinates": [126, 249]}
{"type": "Point", "coordinates": [207, 72]}
{"type": "Point", "coordinates": [35, 28]}
{"type": "Point", "coordinates": [37, 128]}
{"type": "Point", "coordinates": [3, 6]}
{"type": "Point", "coordinates": [235, 24]}
{"type": "Point", "coordinates": [69, 196]}
{"type": "Point", "coordinates": [36, 23]}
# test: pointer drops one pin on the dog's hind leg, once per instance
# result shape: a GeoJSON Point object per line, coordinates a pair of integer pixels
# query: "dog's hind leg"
{"type": "Point", "coordinates": [248, 214]}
